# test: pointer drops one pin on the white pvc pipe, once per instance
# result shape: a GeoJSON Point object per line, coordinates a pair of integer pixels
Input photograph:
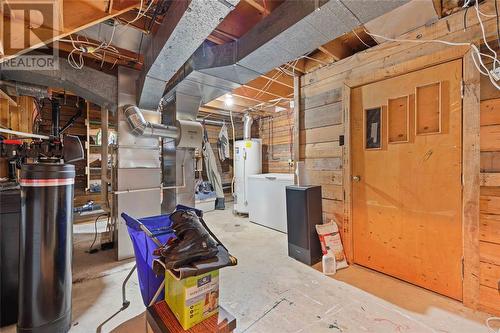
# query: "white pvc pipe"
{"type": "Point", "coordinates": [28, 135]}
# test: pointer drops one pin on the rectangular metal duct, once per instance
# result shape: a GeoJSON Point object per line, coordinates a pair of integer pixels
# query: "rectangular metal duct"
{"type": "Point", "coordinates": [185, 26]}
{"type": "Point", "coordinates": [295, 28]}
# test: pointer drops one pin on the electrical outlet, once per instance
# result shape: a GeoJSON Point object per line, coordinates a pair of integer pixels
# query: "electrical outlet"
{"type": "Point", "coordinates": [495, 73]}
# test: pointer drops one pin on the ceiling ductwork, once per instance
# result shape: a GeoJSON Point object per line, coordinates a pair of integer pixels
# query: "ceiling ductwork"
{"type": "Point", "coordinates": [93, 85]}
{"type": "Point", "coordinates": [295, 28]}
{"type": "Point", "coordinates": [186, 25]}
{"type": "Point", "coordinates": [23, 89]}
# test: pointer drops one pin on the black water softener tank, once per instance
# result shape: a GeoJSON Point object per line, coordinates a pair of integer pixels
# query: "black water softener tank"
{"type": "Point", "coordinates": [45, 248]}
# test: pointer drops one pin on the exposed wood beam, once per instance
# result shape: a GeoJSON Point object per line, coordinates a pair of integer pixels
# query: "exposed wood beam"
{"type": "Point", "coordinates": [123, 57]}
{"type": "Point", "coordinates": [259, 91]}
{"type": "Point", "coordinates": [4, 95]}
{"type": "Point", "coordinates": [255, 94]}
{"type": "Point", "coordinates": [215, 39]}
{"type": "Point", "coordinates": [337, 48]}
{"type": "Point", "coordinates": [275, 84]}
{"type": "Point", "coordinates": [283, 79]}
{"type": "Point", "coordinates": [143, 23]}
{"type": "Point", "coordinates": [225, 34]}
{"type": "Point", "coordinates": [438, 7]}
{"type": "Point", "coordinates": [239, 104]}
{"type": "Point", "coordinates": [211, 109]}
{"type": "Point", "coordinates": [255, 4]}
{"type": "Point", "coordinates": [73, 15]}
{"type": "Point", "coordinates": [298, 67]}
{"type": "Point", "coordinates": [317, 60]}
{"type": "Point", "coordinates": [328, 53]}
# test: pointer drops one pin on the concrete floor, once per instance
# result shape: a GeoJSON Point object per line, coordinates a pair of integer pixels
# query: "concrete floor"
{"type": "Point", "coordinates": [270, 292]}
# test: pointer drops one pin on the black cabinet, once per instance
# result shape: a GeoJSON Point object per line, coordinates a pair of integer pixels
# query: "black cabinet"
{"type": "Point", "coordinates": [304, 211]}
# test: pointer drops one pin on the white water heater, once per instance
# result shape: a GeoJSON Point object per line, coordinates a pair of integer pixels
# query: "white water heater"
{"type": "Point", "coordinates": [247, 162]}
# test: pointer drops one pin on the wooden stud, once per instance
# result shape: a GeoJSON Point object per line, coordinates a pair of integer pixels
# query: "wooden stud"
{"type": "Point", "coordinates": [470, 180]}
{"type": "Point", "coordinates": [8, 98]}
{"type": "Point", "coordinates": [296, 120]}
{"type": "Point", "coordinates": [255, 4]}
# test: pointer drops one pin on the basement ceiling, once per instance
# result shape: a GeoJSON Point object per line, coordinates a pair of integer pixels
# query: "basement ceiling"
{"type": "Point", "coordinates": [135, 27]}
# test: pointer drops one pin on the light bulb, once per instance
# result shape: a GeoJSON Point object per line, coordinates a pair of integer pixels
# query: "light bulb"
{"type": "Point", "coordinates": [229, 100]}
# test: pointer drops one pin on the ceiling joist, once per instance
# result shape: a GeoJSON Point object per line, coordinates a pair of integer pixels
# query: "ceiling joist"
{"type": "Point", "coordinates": [70, 17]}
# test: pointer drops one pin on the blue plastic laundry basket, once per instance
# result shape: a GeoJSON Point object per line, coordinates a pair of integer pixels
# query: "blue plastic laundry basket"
{"type": "Point", "coordinates": [161, 228]}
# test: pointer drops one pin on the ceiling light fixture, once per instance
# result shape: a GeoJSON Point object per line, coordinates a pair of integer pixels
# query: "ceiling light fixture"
{"type": "Point", "coordinates": [229, 100]}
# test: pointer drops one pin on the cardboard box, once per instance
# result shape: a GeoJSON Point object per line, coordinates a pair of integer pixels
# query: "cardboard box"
{"type": "Point", "coordinates": [192, 299]}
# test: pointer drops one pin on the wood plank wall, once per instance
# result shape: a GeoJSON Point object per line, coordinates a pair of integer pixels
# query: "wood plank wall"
{"type": "Point", "coordinates": [321, 126]}
{"type": "Point", "coordinates": [17, 117]}
{"type": "Point", "coordinates": [322, 123]}
{"type": "Point", "coordinates": [276, 133]}
{"type": "Point", "coordinates": [489, 236]}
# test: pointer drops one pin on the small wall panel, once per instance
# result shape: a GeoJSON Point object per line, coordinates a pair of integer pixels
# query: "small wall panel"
{"type": "Point", "coordinates": [428, 109]}
{"type": "Point", "coordinates": [398, 119]}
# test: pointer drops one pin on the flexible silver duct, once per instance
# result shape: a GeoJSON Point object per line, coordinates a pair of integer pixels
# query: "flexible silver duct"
{"type": "Point", "coordinates": [141, 127]}
{"type": "Point", "coordinates": [247, 126]}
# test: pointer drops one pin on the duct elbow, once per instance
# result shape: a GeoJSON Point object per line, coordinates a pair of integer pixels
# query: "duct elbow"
{"type": "Point", "coordinates": [135, 119]}
{"type": "Point", "coordinates": [141, 127]}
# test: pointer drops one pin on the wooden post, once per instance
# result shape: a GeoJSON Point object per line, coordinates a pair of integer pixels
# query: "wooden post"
{"type": "Point", "coordinates": [470, 181]}
{"type": "Point", "coordinates": [104, 156]}
{"type": "Point", "coordinates": [296, 124]}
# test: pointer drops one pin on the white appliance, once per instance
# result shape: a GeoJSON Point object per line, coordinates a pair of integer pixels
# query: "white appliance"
{"type": "Point", "coordinates": [267, 199]}
{"type": "Point", "coordinates": [247, 162]}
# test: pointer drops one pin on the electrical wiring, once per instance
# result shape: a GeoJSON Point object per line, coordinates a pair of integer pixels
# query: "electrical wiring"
{"type": "Point", "coordinates": [484, 35]}
{"type": "Point", "coordinates": [362, 41]}
{"type": "Point", "coordinates": [139, 14]}
{"type": "Point", "coordinates": [90, 250]}
{"type": "Point", "coordinates": [87, 47]}
{"type": "Point", "coordinates": [476, 54]}
{"type": "Point", "coordinates": [498, 23]}
{"type": "Point", "coordinates": [75, 56]}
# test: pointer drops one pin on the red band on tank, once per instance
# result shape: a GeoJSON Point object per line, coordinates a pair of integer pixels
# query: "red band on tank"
{"type": "Point", "coordinates": [46, 182]}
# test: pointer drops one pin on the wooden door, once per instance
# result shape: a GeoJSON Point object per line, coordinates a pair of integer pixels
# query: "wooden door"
{"type": "Point", "coordinates": [406, 136]}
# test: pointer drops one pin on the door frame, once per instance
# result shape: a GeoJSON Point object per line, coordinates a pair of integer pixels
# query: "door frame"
{"type": "Point", "coordinates": [470, 163]}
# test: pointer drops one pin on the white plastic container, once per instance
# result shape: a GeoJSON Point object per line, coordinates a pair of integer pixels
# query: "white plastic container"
{"type": "Point", "coordinates": [329, 264]}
